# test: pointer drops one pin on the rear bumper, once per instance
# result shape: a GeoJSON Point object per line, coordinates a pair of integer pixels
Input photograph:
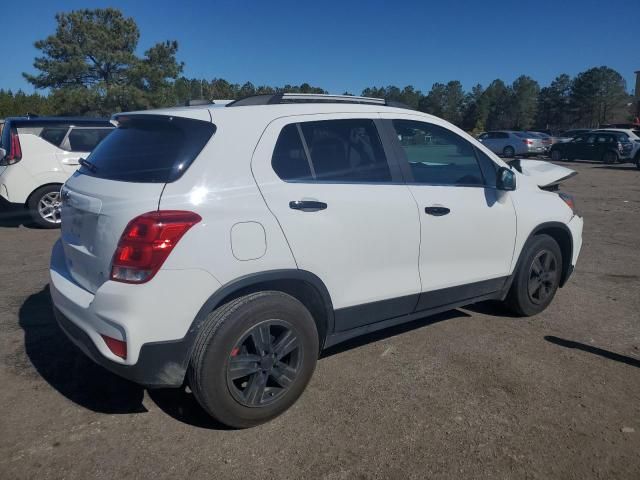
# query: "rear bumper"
{"type": "Point", "coordinates": [153, 319]}
{"type": "Point", "coordinates": [159, 365]}
{"type": "Point", "coordinates": [575, 227]}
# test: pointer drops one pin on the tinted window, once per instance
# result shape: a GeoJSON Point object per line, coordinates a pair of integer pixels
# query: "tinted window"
{"type": "Point", "coordinates": [54, 135]}
{"type": "Point", "coordinates": [346, 151]}
{"type": "Point", "coordinates": [502, 135]}
{"type": "Point", "coordinates": [149, 149]}
{"type": "Point", "coordinates": [289, 160]}
{"type": "Point", "coordinates": [438, 156]}
{"type": "Point", "coordinates": [86, 139]}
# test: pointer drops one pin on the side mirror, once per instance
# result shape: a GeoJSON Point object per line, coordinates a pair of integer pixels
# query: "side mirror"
{"type": "Point", "coordinates": [506, 179]}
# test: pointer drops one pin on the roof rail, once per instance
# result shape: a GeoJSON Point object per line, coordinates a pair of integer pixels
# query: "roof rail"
{"type": "Point", "coordinates": [284, 98]}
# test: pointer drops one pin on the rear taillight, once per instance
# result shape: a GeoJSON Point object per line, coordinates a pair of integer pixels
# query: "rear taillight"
{"type": "Point", "coordinates": [528, 141]}
{"type": "Point", "coordinates": [569, 200]}
{"type": "Point", "coordinates": [15, 150]}
{"type": "Point", "coordinates": [146, 243]}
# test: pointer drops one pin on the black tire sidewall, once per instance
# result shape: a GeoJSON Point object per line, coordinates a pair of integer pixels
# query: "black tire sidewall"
{"type": "Point", "coordinates": [212, 391]}
{"type": "Point", "coordinates": [518, 298]}
{"type": "Point", "coordinates": [614, 157]}
{"type": "Point", "coordinates": [509, 152]}
{"type": "Point", "coordinates": [556, 153]}
{"type": "Point", "coordinates": [34, 200]}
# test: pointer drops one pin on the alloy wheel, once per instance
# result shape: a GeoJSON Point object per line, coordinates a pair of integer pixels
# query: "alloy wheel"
{"type": "Point", "coordinates": [543, 276]}
{"type": "Point", "coordinates": [264, 363]}
{"type": "Point", "coordinates": [49, 207]}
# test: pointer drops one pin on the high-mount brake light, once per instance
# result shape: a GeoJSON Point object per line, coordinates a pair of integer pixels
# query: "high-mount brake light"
{"type": "Point", "coordinates": [146, 243]}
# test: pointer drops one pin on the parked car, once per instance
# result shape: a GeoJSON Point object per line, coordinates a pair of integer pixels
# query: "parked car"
{"type": "Point", "coordinates": [509, 143]}
{"type": "Point", "coordinates": [227, 246]}
{"type": "Point", "coordinates": [609, 147]}
{"type": "Point", "coordinates": [569, 135]}
{"type": "Point", "coordinates": [38, 154]}
{"type": "Point", "coordinates": [633, 135]}
{"type": "Point", "coordinates": [547, 140]}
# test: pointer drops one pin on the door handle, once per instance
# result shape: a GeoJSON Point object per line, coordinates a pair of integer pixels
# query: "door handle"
{"type": "Point", "coordinates": [307, 205]}
{"type": "Point", "coordinates": [436, 211]}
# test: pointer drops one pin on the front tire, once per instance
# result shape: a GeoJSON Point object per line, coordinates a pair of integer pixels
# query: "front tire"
{"type": "Point", "coordinates": [44, 206]}
{"type": "Point", "coordinates": [556, 156]}
{"type": "Point", "coordinates": [537, 278]}
{"type": "Point", "coordinates": [509, 152]}
{"type": "Point", "coordinates": [253, 358]}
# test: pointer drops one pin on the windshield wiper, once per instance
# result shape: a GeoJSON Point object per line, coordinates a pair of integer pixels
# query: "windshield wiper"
{"type": "Point", "coordinates": [88, 165]}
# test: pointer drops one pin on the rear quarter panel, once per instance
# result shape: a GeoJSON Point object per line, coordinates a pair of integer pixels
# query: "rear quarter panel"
{"type": "Point", "coordinates": [219, 186]}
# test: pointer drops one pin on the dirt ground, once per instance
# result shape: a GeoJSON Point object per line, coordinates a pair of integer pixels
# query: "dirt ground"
{"type": "Point", "coordinates": [472, 393]}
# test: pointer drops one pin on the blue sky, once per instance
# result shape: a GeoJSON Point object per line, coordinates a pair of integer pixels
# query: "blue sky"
{"type": "Point", "coordinates": [342, 45]}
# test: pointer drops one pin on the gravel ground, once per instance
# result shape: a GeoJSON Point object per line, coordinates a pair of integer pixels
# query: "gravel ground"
{"type": "Point", "coordinates": [467, 394]}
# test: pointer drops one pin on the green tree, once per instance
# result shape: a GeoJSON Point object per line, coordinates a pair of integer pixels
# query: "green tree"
{"type": "Point", "coordinates": [553, 104]}
{"type": "Point", "coordinates": [498, 101]}
{"type": "Point", "coordinates": [434, 102]}
{"type": "Point", "coordinates": [598, 95]}
{"type": "Point", "coordinates": [90, 65]}
{"type": "Point", "coordinates": [453, 102]}
{"type": "Point", "coordinates": [524, 105]}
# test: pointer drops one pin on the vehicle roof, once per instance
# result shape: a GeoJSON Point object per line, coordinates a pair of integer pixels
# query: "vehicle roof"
{"type": "Point", "coordinates": [273, 111]}
{"type": "Point", "coordinates": [53, 120]}
{"type": "Point", "coordinates": [619, 130]}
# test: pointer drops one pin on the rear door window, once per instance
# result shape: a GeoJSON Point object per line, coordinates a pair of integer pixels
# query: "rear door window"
{"type": "Point", "coordinates": [86, 139]}
{"type": "Point", "coordinates": [149, 149]}
{"type": "Point", "coordinates": [54, 135]}
{"type": "Point", "coordinates": [347, 151]}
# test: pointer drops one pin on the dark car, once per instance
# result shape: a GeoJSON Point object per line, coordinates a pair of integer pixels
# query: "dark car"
{"type": "Point", "coordinates": [569, 135]}
{"type": "Point", "coordinates": [603, 146]}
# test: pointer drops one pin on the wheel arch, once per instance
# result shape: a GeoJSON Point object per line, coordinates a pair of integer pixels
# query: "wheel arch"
{"type": "Point", "coordinates": [49, 184]}
{"type": "Point", "coordinates": [562, 235]}
{"type": "Point", "coordinates": [300, 284]}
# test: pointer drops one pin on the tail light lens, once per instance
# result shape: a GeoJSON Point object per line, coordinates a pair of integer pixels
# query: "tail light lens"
{"type": "Point", "coordinates": [528, 141]}
{"type": "Point", "coordinates": [569, 200]}
{"type": "Point", "coordinates": [146, 243]}
{"type": "Point", "coordinates": [15, 150]}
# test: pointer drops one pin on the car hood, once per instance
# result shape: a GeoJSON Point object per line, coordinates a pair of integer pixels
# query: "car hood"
{"type": "Point", "coordinates": [543, 173]}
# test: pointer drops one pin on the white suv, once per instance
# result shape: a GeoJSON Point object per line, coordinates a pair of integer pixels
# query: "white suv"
{"type": "Point", "coordinates": [225, 247]}
{"type": "Point", "coordinates": [38, 154]}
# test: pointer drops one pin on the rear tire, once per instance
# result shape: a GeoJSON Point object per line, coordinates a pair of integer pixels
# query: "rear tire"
{"type": "Point", "coordinates": [44, 206]}
{"type": "Point", "coordinates": [610, 157]}
{"type": "Point", "coordinates": [253, 358]}
{"type": "Point", "coordinates": [537, 278]}
{"type": "Point", "coordinates": [509, 152]}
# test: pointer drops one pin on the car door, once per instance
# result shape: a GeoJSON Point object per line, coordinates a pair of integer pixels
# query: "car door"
{"type": "Point", "coordinates": [468, 228]}
{"type": "Point", "coordinates": [493, 141]}
{"type": "Point", "coordinates": [346, 213]}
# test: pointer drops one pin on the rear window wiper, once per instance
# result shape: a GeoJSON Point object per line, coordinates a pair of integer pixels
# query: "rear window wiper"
{"type": "Point", "coordinates": [88, 165]}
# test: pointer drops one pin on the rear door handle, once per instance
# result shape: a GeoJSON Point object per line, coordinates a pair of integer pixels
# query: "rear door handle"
{"type": "Point", "coordinates": [307, 205]}
{"type": "Point", "coordinates": [436, 211]}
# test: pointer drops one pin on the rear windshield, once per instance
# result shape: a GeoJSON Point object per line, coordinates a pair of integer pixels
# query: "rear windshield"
{"type": "Point", "coordinates": [148, 149]}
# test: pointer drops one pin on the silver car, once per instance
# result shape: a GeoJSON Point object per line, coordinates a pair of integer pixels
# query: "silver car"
{"type": "Point", "coordinates": [509, 143]}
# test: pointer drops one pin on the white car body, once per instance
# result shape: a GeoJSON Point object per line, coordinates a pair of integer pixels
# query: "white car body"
{"type": "Point", "coordinates": [372, 249]}
{"type": "Point", "coordinates": [42, 162]}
